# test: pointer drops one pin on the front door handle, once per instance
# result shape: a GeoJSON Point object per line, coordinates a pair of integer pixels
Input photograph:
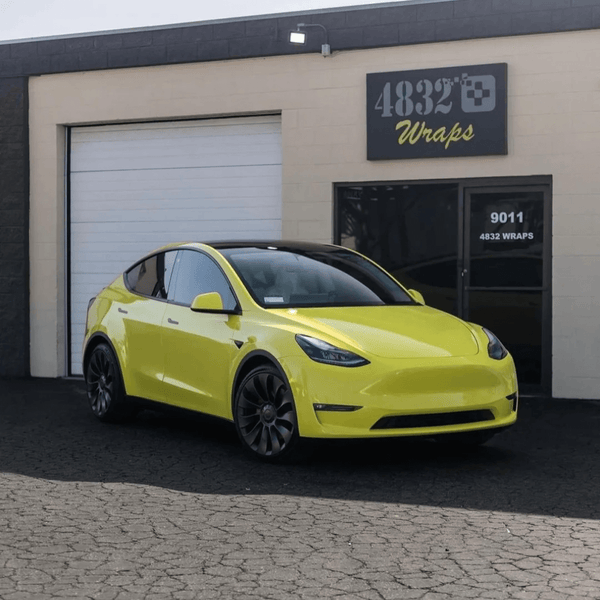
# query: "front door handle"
{"type": "Point", "coordinates": [122, 311]}
{"type": "Point", "coordinates": [172, 322]}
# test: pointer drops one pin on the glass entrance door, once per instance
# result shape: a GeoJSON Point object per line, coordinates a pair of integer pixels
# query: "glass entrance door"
{"type": "Point", "coordinates": [505, 281]}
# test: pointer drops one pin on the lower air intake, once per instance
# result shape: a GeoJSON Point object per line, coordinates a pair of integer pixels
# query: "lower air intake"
{"type": "Point", "coordinates": [434, 420]}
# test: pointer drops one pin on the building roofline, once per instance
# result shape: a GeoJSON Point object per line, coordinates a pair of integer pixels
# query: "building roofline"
{"type": "Point", "coordinates": [242, 18]}
{"type": "Point", "coordinates": [381, 25]}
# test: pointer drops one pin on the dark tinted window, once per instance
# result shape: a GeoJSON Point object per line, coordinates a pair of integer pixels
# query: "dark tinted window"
{"type": "Point", "coordinates": [440, 273]}
{"type": "Point", "coordinates": [152, 277]}
{"type": "Point", "coordinates": [507, 239]}
{"type": "Point", "coordinates": [507, 271]}
{"type": "Point", "coordinates": [199, 274]}
{"type": "Point", "coordinates": [313, 278]}
{"type": "Point", "coordinates": [411, 230]}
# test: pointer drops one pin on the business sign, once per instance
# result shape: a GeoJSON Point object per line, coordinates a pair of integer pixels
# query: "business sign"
{"type": "Point", "coordinates": [453, 111]}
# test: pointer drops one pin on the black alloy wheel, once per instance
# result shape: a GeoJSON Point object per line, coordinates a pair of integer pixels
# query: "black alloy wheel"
{"type": "Point", "coordinates": [105, 386]}
{"type": "Point", "coordinates": [265, 416]}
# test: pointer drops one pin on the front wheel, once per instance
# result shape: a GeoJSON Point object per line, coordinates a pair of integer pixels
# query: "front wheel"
{"type": "Point", "coordinates": [105, 390]}
{"type": "Point", "coordinates": [265, 416]}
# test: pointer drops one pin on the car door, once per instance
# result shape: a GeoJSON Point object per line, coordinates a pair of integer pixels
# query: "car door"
{"type": "Point", "coordinates": [142, 317]}
{"type": "Point", "coordinates": [198, 347]}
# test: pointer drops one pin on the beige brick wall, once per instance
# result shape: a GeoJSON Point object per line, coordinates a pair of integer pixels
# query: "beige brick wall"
{"type": "Point", "coordinates": [554, 129]}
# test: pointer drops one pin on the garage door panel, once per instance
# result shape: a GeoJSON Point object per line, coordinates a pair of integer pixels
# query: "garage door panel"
{"type": "Point", "coordinates": [183, 183]}
{"type": "Point", "coordinates": [174, 214]}
{"type": "Point", "coordinates": [166, 232]}
{"type": "Point", "coordinates": [134, 188]}
{"type": "Point", "coordinates": [205, 177]}
{"type": "Point", "coordinates": [182, 129]}
{"type": "Point", "coordinates": [203, 200]}
{"type": "Point", "coordinates": [168, 148]}
{"type": "Point", "coordinates": [256, 196]}
{"type": "Point", "coordinates": [169, 141]}
{"type": "Point", "coordinates": [155, 152]}
{"type": "Point", "coordinates": [213, 158]}
{"type": "Point", "coordinates": [205, 203]}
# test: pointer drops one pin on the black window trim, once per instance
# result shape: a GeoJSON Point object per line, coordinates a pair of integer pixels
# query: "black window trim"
{"type": "Point", "coordinates": [236, 311]}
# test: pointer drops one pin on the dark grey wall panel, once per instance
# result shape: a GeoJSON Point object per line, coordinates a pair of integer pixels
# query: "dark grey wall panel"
{"type": "Point", "coordinates": [123, 57]}
{"type": "Point", "coordinates": [381, 35]}
{"type": "Point", "coordinates": [351, 29]}
{"type": "Point", "coordinates": [472, 8]}
{"type": "Point", "coordinates": [497, 25]}
{"type": "Point", "coordinates": [91, 60]}
{"type": "Point", "coordinates": [456, 29]}
{"type": "Point", "coordinates": [417, 33]}
{"type": "Point", "coordinates": [151, 55]}
{"type": "Point", "coordinates": [212, 50]}
{"type": "Point", "coordinates": [572, 18]}
{"type": "Point", "coordinates": [14, 227]}
{"type": "Point", "coordinates": [442, 11]}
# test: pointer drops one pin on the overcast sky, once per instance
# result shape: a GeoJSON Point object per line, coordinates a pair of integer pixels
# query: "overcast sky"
{"type": "Point", "coordinates": [40, 18]}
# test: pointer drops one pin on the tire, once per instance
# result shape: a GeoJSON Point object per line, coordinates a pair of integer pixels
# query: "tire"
{"type": "Point", "coordinates": [105, 389]}
{"type": "Point", "coordinates": [468, 438]}
{"type": "Point", "coordinates": [265, 419]}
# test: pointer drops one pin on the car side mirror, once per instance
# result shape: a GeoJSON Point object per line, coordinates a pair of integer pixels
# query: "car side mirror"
{"type": "Point", "coordinates": [417, 296]}
{"type": "Point", "coordinates": [210, 302]}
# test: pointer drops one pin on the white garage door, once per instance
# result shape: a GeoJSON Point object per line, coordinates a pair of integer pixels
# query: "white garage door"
{"type": "Point", "coordinates": [137, 187]}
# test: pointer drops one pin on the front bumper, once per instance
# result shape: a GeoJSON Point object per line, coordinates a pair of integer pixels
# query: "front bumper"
{"type": "Point", "coordinates": [403, 397]}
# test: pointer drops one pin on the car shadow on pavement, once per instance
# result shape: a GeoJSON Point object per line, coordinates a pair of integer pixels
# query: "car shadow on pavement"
{"type": "Point", "coordinates": [547, 464]}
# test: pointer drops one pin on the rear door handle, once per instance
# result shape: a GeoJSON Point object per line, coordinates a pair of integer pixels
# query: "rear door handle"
{"type": "Point", "coordinates": [172, 322]}
{"type": "Point", "coordinates": [122, 311]}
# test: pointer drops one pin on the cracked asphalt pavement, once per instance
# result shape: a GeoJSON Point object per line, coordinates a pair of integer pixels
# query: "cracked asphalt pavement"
{"type": "Point", "coordinates": [169, 506]}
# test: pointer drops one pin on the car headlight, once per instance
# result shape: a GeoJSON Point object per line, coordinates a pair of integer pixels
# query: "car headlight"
{"type": "Point", "coordinates": [323, 352]}
{"type": "Point", "coordinates": [495, 348]}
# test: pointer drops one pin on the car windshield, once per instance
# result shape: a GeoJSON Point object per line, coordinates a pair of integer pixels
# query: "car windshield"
{"type": "Point", "coordinates": [289, 278]}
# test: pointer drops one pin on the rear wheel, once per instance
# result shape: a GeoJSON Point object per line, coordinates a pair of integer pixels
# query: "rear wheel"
{"type": "Point", "coordinates": [105, 390]}
{"type": "Point", "coordinates": [265, 416]}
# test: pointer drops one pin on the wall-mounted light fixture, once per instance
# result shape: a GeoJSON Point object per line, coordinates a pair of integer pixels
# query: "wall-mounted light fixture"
{"type": "Point", "coordinates": [299, 37]}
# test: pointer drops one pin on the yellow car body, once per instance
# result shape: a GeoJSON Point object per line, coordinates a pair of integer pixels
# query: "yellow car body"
{"type": "Point", "coordinates": [426, 372]}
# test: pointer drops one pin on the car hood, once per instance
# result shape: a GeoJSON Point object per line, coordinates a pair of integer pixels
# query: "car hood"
{"type": "Point", "coordinates": [408, 331]}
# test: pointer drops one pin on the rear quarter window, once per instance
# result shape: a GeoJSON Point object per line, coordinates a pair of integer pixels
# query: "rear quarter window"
{"type": "Point", "coordinates": [152, 277]}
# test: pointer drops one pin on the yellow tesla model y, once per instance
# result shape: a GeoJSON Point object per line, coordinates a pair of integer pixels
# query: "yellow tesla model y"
{"type": "Point", "coordinates": [292, 340]}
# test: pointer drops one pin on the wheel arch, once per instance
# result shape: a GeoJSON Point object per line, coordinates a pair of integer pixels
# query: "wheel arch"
{"type": "Point", "coordinates": [254, 359]}
{"type": "Point", "coordinates": [97, 339]}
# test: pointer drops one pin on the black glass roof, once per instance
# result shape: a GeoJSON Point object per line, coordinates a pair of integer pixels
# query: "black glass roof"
{"type": "Point", "coordinates": [290, 246]}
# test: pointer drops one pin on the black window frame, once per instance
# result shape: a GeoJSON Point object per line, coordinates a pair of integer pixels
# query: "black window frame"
{"type": "Point", "coordinates": [139, 262]}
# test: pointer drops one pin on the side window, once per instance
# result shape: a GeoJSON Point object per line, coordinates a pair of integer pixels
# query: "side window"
{"type": "Point", "coordinates": [152, 277]}
{"type": "Point", "coordinates": [144, 277]}
{"type": "Point", "coordinates": [199, 274]}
